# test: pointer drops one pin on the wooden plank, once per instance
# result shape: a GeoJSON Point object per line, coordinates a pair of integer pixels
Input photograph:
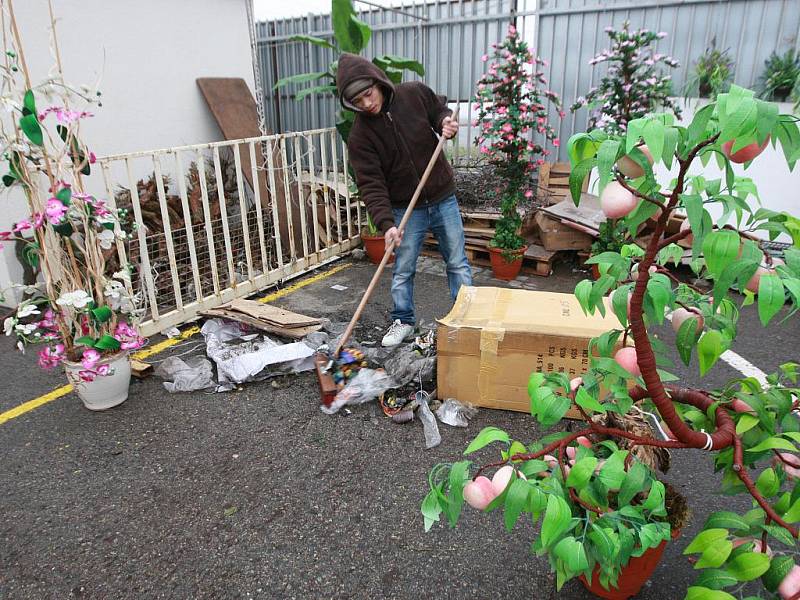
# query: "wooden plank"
{"type": "Point", "coordinates": [234, 109]}
{"type": "Point", "coordinates": [272, 314]}
{"type": "Point", "coordinates": [295, 333]}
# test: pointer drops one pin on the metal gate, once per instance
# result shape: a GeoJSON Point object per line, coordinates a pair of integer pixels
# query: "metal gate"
{"type": "Point", "coordinates": [217, 221]}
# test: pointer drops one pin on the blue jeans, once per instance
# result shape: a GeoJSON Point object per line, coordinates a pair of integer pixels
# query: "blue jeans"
{"type": "Point", "coordinates": [444, 221]}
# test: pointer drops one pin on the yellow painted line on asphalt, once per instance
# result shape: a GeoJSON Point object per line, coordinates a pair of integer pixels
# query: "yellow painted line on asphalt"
{"type": "Point", "coordinates": [164, 345]}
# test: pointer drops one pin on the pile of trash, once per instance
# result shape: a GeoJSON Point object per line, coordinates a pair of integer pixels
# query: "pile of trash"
{"type": "Point", "coordinates": [238, 350]}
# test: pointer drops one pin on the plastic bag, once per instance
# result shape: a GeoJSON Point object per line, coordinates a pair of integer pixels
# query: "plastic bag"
{"type": "Point", "coordinates": [455, 413]}
{"type": "Point", "coordinates": [367, 385]}
{"type": "Point", "coordinates": [195, 373]}
{"type": "Point", "coordinates": [406, 365]}
{"type": "Point", "coordinates": [432, 436]}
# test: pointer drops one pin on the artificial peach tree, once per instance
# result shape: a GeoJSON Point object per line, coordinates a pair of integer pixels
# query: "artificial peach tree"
{"type": "Point", "coordinates": [600, 504]}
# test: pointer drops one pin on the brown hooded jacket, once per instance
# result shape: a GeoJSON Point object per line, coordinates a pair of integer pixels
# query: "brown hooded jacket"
{"type": "Point", "coordinates": [389, 151]}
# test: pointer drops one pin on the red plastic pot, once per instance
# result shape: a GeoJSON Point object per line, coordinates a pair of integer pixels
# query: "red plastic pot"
{"type": "Point", "coordinates": [503, 269]}
{"type": "Point", "coordinates": [633, 575]}
{"type": "Point", "coordinates": [375, 247]}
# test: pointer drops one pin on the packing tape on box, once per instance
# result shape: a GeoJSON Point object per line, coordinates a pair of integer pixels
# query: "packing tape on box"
{"type": "Point", "coordinates": [492, 334]}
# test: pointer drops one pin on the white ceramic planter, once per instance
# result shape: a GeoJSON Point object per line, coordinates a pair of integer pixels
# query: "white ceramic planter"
{"type": "Point", "coordinates": [105, 391]}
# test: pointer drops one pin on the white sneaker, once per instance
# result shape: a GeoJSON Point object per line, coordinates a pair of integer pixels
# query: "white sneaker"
{"type": "Point", "coordinates": [397, 334]}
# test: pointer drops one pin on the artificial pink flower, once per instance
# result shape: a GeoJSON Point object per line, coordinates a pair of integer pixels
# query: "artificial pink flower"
{"type": "Point", "coordinates": [38, 220]}
{"type": "Point", "coordinates": [529, 194]}
{"type": "Point", "coordinates": [103, 370]}
{"type": "Point", "coordinates": [87, 376]}
{"type": "Point", "coordinates": [90, 358]}
{"type": "Point", "coordinates": [556, 142]}
{"type": "Point", "coordinates": [6, 236]}
{"type": "Point", "coordinates": [92, 158]}
{"type": "Point", "coordinates": [51, 357]}
{"type": "Point", "coordinates": [484, 58]}
{"type": "Point", "coordinates": [22, 226]}
{"type": "Point", "coordinates": [55, 211]}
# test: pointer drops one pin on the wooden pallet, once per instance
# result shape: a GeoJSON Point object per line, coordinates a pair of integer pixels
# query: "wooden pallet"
{"type": "Point", "coordinates": [554, 177]}
{"type": "Point", "coordinates": [537, 260]}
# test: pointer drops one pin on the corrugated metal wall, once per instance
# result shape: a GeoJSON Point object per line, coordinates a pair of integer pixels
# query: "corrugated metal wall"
{"type": "Point", "coordinates": [449, 37]}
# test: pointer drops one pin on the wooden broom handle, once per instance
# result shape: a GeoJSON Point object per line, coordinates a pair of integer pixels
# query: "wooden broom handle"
{"type": "Point", "coordinates": [388, 253]}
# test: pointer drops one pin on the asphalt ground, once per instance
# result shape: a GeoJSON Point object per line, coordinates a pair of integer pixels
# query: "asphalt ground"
{"type": "Point", "coordinates": [258, 494]}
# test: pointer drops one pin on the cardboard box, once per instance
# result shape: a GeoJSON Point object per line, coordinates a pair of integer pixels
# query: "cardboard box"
{"type": "Point", "coordinates": [555, 235]}
{"type": "Point", "coordinates": [494, 338]}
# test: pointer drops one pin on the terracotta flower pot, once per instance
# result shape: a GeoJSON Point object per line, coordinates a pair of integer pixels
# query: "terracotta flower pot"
{"type": "Point", "coordinates": [375, 247]}
{"type": "Point", "coordinates": [503, 269]}
{"type": "Point", "coordinates": [633, 575]}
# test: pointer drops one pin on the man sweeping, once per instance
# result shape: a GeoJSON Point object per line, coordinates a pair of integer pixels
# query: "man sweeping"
{"type": "Point", "coordinates": [392, 140]}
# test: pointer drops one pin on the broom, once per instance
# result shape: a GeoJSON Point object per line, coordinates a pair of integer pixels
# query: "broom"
{"type": "Point", "coordinates": [322, 362]}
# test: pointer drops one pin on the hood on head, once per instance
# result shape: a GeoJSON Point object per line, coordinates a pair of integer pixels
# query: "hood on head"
{"type": "Point", "coordinates": [352, 67]}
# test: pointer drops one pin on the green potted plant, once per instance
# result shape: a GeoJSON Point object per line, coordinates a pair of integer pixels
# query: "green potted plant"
{"type": "Point", "coordinates": [779, 77]}
{"type": "Point", "coordinates": [613, 236]}
{"type": "Point", "coordinates": [374, 243]}
{"type": "Point", "coordinates": [510, 102]}
{"type": "Point", "coordinates": [599, 501]}
{"type": "Point", "coordinates": [634, 83]}
{"type": "Point", "coordinates": [712, 73]}
{"type": "Point", "coordinates": [82, 316]}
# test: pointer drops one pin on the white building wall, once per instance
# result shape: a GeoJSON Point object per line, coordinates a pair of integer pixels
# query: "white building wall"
{"type": "Point", "coordinates": [146, 56]}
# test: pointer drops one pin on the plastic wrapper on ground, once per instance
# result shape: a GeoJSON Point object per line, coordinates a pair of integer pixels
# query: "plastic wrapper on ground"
{"type": "Point", "coordinates": [195, 373]}
{"type": "Point", "coordinates": [242, 356]}
{"type": "Point", "coordinates": [432, 436]}
{"type": "Point", "coordinates": [455, 413]}
{"type": "Point", "coordinates": [367, 385]}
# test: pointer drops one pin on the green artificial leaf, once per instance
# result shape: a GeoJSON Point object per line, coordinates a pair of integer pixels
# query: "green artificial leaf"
{"type": "Point", "coordinates": [780, 534]}
{"type": "Point", "coordinates": [28, 103]}
{"type": "Point", "coordinates": [720, 249]}
{"type": "Point", "coordinates": [768, 483]}
{"type": "Point", "coordinates": [715, 579]}
{"type": "Point", "coordinates": [102, 314]}
{"type": "Point", "coordinates": [347, 40]}
{"type": "Point", "coordinates": [653, 135]}
{"type": "Point", "coordinates": [746, 423]}
{"type": "Point", "coordinates": [706, 538]}
{"type": "Point", "coordinates": [619, 304]}
{"type": "Point", "coordinates": [715, 554]}
{"type": "Point", "coordinates": [793, 514]}
{"type": "Point", "coordinates": [572, 553]}
{"type": "Point", "coordinates": [557, 519]}
{"type": "Point", "coordinates": [709, 349]}
{"type": "Point", "coordinates": [696, 592]}
{"type": "Point", "coordinates": [402, 62]}
{"type": "Point", "coordinates": [577, 176]}
{"type": "Point", "coordinates": [748, 565]}
{"type": "Point", "coordinates": [612, 473]}
{"type": "Point", "coordinates": [581, 472]}
{"type": "Point", "coordinates": [773, 443]}
{"type": "Point", "coordinates": [65, 196]}
{"type": "Point", "coordinates": [300, 78]}
{"type": "Point", "coordinates": [516, 499]}
{"type": "Point", "coordinates": [31, 128]}
{"type": "Point", "coordinates": [687, 338]}
{"type": "Point", "coordinates": [587, 402]}
{"type": "Point", "coordinates": [458, 475]}
{"type": "Point", "coordinates": [86, 340]}
{"type": "Point", "coordinates": [311, 39]}
{"type": "Point", "coordinates": [319, 89]}
{"type": "Point", "coordinates": [697, 128]}
{"type": "Point", "coordinates": [606, 157]}
{"type": "Point", "coordinates": [430, 509]}
{"type": "Point", "coordinates": [486, 437]}
{"type": "Point", "coordinates": [633, 484]}
{"type": "Point", "coordinates": [31, 253]}
{"type": "Point", "coordinates": [107, 342]}
{"type": "Point", "coordinates": [771, 297]}
{"type": "Point", "coordinates": [655, 498]}
{"type": "Point", "coordinates": [582, 292]}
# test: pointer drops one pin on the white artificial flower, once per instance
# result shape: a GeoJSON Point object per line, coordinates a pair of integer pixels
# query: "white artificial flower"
{"type": "Point", "coordinates": [106, 239]}
{"type": "Point", "coordinates": [8, 325]}
{"type": "Point", "coordinates": [25, 330]}
{"type": "Point", "coordinates": [26, 310]}
{"type": "Point", "coordinates": [78, 299]}
{"type": "Point", "coordinates": [21, 347]}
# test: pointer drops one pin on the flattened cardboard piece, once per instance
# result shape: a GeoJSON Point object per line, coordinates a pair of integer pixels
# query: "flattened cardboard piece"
{"type": "Point", "coordinates": [494, 338]}
{"type": "Point", "coordinates": [274, 315]}
{"type": "Point", "coordinates": [295, 333]}
{"type": "Point", "coordinates": [556, 235]}
{"type": "Point", "coordinates": [589, 214]}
